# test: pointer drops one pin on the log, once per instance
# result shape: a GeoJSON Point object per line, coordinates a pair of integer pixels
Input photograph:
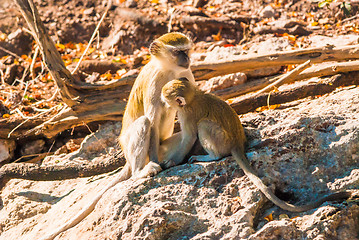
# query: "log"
{"type": "Point", "coordinates": [251, 103]}
{"type": "Point", "coordinates": [37, 172]}
{"type": "Point", "coordinates": [204, 71]}
{"type": "Point", "coordinates": [318, 70]}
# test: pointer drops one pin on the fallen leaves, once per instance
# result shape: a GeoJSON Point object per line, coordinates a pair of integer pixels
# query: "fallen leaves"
{"type": "Point", "coordinates": [269, 217]}
{"type": "Point", "coordinates": [270, 107]}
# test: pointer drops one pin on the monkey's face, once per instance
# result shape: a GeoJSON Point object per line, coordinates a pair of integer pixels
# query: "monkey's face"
{"type": "Point", "coordinates": [177, 93]}
{"type": "Point", "coordinates": [172, 49]}
{"type": "Point", "coordinates": [179, 57]}
{"type": "Point", "coordinates": [171, 56]}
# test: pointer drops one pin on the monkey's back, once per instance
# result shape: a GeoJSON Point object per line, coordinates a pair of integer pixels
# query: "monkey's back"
{"type": "Point", "coordinates": [214, 108]}
{"type": "Point", "coordinates": [135, 105]}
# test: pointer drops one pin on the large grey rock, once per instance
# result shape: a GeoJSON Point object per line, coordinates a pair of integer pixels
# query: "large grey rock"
{"type": "Point", "coordinates": [305, 151]}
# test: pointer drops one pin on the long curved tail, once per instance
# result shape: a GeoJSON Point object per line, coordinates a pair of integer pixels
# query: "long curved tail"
{"type": "Point", "coordinates": [244, 164]}
{"type": "Point", "coordinates": [123, 175]}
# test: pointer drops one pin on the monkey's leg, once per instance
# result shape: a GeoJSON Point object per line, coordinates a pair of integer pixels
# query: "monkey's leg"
{"type": "Point", "coordinates": [215, 141]}
{"type": "Point", "coordinates": [165, 150]}
{"type": "Point", "coordinates": [137, 141]}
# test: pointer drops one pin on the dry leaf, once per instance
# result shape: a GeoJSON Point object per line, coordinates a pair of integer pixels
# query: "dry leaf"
{"type": "Point", "coordinates": [107, 76]}
{"type": "Point", "coordinates": [60, 46]}
{"type": "Point", "coordinates": [272, 107]}
{"type": "Point", "coordinates": [314, 23]}
{"type": "Point", "coordinates": [3, 36]}
{"type": "Point", "coordinates": [237, 199]}
{"type": "Point", "coordinates": [218, 36]}
{"type": "Point", "coordinates": [230, 100]}
{"type": "Point", "coordinates": [269, 217]}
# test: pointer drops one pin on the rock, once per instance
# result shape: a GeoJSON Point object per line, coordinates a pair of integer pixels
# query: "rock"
{"type": "Point", "coordinates": [305, 152]}
{"type": "Point", "coordinates": [131, 4]}
{"type": "Point", "coordinates": [268, 12]}
{"type": "Point", "coordinates": [221, 82]}
{"type": "Point", "coordinates": [274, 44]}
{"type": "Point", "coordinates": [7, 148]}
{"type": "Point", "coordinates": [340, 40]}
{"type": "Point", "coordinates": [89, 11]}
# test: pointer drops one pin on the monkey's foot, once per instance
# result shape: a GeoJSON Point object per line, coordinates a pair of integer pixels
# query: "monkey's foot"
{"type": "Point", "coordinates": [202, 158]}
{"type": "Point", "coordinates": [167, 164]}
{"type": "Point", "coordinates": [151, 169]}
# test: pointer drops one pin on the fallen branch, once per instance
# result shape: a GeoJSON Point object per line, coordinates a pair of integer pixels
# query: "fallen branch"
{"type": "Point", "coordinates": [251, 103]}
{"type": "Point", "coordinates": [288, 77]}
{"type": "Point", "coordinates": [52, 173]}
{"type": "Point", "coordinates": [203, 71]}
{"type": "Point", "coordinates": [296, 30]}
{"type": "Point", "coordinates": [326, 69]}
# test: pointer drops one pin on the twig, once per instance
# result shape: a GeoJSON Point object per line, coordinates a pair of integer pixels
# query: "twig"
{"type": "Point", "coordinates": [286, 77]}
{"type": "Point", "coordinates": [11, 53]}
{"type": "Point", "coordinates": [47, 100]}
{"type": "Point", "coordinates": [351, 18]}
{"type": "Point", "coordinates": [26, 156]}
{"type": "Point", "coordinates": [33, 62]}
{"type": "Point", "coordinates": [27, 119]}
{"type": "Point", "coordinates": [109, 4]}
{"type": "Point", "coordinates": [172, 13]}
{"type": "Point", "coordinates": [2, 77]}
{"type": "Point", "coordinates": [26, 86]}
{"type": "Point", "coordinates": [104, 147]}
{"type": "Point", "coordinates": [19, 112]}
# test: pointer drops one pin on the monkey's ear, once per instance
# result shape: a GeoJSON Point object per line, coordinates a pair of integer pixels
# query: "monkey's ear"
{"type": "Point", "coordinates": [184, 79]}
{"type": "Point", "coordinates": [155, 48]}
{"type": "Point", "coordinates": [181, 101]}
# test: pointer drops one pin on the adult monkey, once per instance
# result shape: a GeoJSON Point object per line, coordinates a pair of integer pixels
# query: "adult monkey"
{"type": "Point", "coordinates": [220, 132]}
{"type": "Point", "coordinates": [146, 121]}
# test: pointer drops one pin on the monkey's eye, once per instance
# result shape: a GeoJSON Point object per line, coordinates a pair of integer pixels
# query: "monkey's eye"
{"type": "Point", "coordinates": [175, 52]}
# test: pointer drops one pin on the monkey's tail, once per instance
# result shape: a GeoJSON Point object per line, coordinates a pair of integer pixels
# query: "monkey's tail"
{"type": "Point", "coordinates": [124, 174]}
{"type": "Point", "coordinates": [244, 164]}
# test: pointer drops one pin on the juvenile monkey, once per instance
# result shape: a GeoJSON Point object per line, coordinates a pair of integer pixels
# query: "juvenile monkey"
{"type": "Point", "coordinates": [220, 132]}
{"type": "Point", "coordinates": [146, 121]}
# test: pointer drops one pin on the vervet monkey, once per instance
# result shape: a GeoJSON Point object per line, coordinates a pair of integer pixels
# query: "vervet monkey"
{"type": "Point", "coordinates": [146, 121]}
{"type": "Point", "coordinates": [220, 133]}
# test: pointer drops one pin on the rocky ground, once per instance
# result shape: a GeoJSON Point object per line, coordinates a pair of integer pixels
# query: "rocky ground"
{"type": "Point", "coordinates": [304, 149]}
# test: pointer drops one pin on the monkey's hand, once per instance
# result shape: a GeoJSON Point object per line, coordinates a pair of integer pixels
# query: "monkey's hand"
{"type": "Point", "coordinates": [151, 169]}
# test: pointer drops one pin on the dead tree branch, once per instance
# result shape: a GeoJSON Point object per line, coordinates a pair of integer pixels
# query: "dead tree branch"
{"type": "Point", "coordinates": [203, 71]}
{"type": "Point", "coordinates": [250, 103]}
{"type": "Point", "coordinates": [37, 172]}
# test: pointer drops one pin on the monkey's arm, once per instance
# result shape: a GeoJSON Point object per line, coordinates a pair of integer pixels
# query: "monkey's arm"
{"type": "Point", "coordinates": [177, 147]}
{"type": "Point", "coordinates": [153, 112]}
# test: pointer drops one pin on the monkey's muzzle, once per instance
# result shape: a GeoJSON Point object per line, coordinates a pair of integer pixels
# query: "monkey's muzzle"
{"type": "Point", "coordinates": [183, 60]}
